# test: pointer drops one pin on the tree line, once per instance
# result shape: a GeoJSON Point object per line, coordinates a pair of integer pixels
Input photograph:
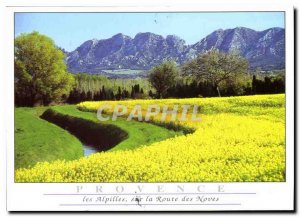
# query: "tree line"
{"type": "Point", "coordinates": [264, 85]}
{"type": "Point", "coordinates": [104, 93]}
{"type": "Point", "coordinates": [267, 85]}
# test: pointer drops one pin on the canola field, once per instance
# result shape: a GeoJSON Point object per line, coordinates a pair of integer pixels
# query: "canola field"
{"type": "Point", "coordinates": [239, 139]}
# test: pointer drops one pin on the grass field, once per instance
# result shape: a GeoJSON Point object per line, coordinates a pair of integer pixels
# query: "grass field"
{"type": "Point", "coordinates": [238, 139]}
{"type": "Point", "coordinates": [37, 140]}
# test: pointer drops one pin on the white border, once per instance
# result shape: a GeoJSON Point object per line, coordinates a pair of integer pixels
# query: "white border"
{"type": "Point", "coordinates": [269, 196]}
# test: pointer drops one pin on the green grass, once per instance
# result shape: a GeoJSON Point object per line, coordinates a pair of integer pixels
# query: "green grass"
{"type": "Point", "coordinates": [37, 140]}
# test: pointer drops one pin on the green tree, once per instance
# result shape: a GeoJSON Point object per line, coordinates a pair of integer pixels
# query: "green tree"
{"type": "Point", "coordinates": [119, 94]}
{"type": "Point", "coordinates": [217, 68]}
{"type": "Point", "coordinates": [163, 76]}
{"type": "Point", "coordinates": [40, 71]}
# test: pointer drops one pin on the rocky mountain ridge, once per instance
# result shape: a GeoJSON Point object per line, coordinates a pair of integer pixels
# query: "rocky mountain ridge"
{"type": "Point", "coordinates": [263, 49]}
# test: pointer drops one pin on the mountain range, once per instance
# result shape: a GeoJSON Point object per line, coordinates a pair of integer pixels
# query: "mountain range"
{"type": "Point", "coordinates": [263, 49]}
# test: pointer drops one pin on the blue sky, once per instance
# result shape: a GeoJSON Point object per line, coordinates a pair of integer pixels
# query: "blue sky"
{"type": "Point", "coordinates": [70, 30]}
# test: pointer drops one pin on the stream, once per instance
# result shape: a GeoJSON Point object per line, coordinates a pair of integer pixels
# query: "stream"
{"type": "Point", "coordinates": [88, 150]}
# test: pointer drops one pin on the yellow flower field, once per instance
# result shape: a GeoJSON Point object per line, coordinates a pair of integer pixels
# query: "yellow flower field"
{"type": "Point", "coordinates": [239, 139]}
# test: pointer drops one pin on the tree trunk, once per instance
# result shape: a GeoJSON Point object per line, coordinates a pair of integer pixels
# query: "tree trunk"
{"type": "Point", "coordinates": [218, 91]}
{"type": "Point", "coordinates": [159, 95]}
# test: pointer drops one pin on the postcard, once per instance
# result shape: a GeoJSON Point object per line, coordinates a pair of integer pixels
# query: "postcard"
{"type": "Point", "coordinates": [155, 108]}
